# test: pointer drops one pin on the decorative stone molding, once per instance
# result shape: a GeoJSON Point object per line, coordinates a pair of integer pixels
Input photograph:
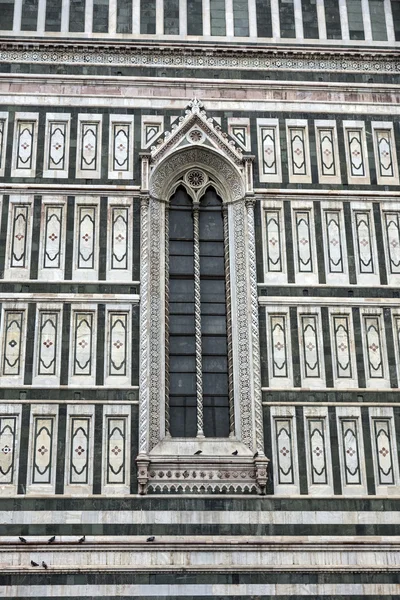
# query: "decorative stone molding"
{"type": "Point", "coordinates": [207, 158]}
{"type": "Point", "coordinates": [271, 59]}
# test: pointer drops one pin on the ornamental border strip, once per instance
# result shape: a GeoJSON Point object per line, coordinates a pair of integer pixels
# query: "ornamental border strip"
{"type": "Point", "coordinates": [202, 59]}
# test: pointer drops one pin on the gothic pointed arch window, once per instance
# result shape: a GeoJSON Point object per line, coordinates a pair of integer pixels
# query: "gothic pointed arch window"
{"type": "Point", "coordinates": [198, 346]}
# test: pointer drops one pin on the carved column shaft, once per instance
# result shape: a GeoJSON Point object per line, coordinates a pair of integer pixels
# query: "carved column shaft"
{"type": "Point", "coordinates": [167, 420]}
{"type": "Point", "coordinates": [255, 341]}
{"type": "Point", "coordinates": [197, 319]}
{"type": "Point", "coordinates": [229, 321]}
{"type": "Point", "coordinates": [144, 321]}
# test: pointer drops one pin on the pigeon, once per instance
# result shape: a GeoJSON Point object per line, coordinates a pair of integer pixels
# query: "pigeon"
{"type": "Point", "coordinates": [256, 454]}
{"type": "Point", "coordinates": [23, 540]}
{"type": "Point", "coordinates": [44, 565]}
{"type": "Point", "coordinates": [151, 539]}
{"type": "Point", "coordinates": [33, 564]}
{"type": "Point", "coordinates": [199, 452]}
{"type": "Point", "coordinates": [82, 539]}
{"type": "Point", "coordinates": [235, 453]}
{"type": "Point", "coordinates": [51, 540]}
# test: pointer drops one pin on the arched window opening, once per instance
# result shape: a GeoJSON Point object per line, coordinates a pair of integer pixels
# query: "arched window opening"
{"type": "Point", "coordinates": [197, 363]}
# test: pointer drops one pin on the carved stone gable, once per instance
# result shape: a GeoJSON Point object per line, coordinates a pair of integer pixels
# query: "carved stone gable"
{"type": "Point", "coordinates": [195, 128]}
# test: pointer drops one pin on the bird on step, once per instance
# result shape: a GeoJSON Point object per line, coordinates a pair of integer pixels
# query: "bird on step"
{"type": "Point", "coordinates": [235, 453]}
{"type": "Point", "coordinates": [23, 540]}
{"type": "Point", "coordinates": [82, 539]}
{"type": "Point", "coordinates": [44, 565]}
{"type": "Point", "coordinates": [151, 538]}
{"type": "Point", "coordinates": [33, 564]}
{"type": "Point", "coordinates": [199, 452]}
{"type": "Point", "coordinates": [51, 540]}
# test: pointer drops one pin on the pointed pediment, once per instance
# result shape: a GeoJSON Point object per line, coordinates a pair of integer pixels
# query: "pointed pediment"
{"type": "Point", "coordinates": [196, 128]}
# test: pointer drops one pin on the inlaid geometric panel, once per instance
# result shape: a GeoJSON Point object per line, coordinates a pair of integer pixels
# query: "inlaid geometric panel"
{"type": "Point", "coordinates": [374, 353]}
{"type": "Point", "coordinates": [53, 237]}
{"type": "Point", "coordinates": [356, 152]}
{"type": "Point", "coordinates": [86, 238]}
{"type": "Point", "coordinates": [25, 142]}
{"type": "Point", "coordinates": [387, 172]}
{"type": "Point", "coordinates": [47, 349]}
{"type": "Point", "coordinates": [13, 342]}
{"type": "Point", "coordinates": [274, 259]}
{"type": "Point", "coordinates": [88, 159]}
{"type": "Point", "coordinates": [279, 346]}
{"type": "Point", "coordinates": [19, 236]}
{"type": "Point", "coordinates": [119, 238]}
{"type": "Point", "coordinates": [334, 241]}
{"type": "Point", "coordinates": [303, 231]}
{"type": "Point", "coordinates": [56, 150]}
{"type": "Point", "coordinates": [383, 451]}
{"type": "Point", "coordinates": [43, 432]}
{"type": "Point", "coordinates": [239, 130]}
{"type": "Point", "coordinates": [391, 224]}
{"type": "Point", "coordinates": [363, 241]}
{"type": "Point", "coordinates": [118, 344]}
{"type": "Point", "coordinates": [116, 450]}
{"type": "Point", "coordinates": [79, 450]}
{"type": "Point", "coordinates": [350, 451]}
{"type": "Point", "coordinates": [298, 151]}
{"type": "Point", "coordinates": [310, 342]}
{"type": "Point", "coordinates": [342, 346]}
{"type": "Point", "coordinates": [284, 450]}
{"type": "Point", "coordinates": [152, 128]}
{"type": "Point", "coordinates": [269, 153]}
{"type": "Point", "coordinates": [3, 141]}
{"type": "Point", "coordinates": [83, 324]}
{"type": "Point", "coordinates": [120, 164]}
{"type": "Point", "coordinates": [8, 432]}
{"type": "Point", "coordinates": [316, 435]}
{"type": "Point", "coordinates": [327, 152]}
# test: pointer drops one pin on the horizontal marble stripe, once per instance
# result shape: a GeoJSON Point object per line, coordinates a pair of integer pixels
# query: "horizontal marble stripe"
{"type": "Point", "coordinates": [197, 554]}
{"type": "Point", "coordinates": [239, 590]}
{"type": "Point", "coordinates": [188, 531]}
{"type": "Point", "coordinates": [274, 106]}
{"type": "Point", "coordinates": [223, 503]}
{"type": "Point", "coordinates": [142, 517]}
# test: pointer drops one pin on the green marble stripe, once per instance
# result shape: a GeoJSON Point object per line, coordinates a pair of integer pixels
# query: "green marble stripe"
{"type": "Point", "coordinates": [129, 577]}
{"type": "Point", "coordinates": [188, 503]}
{"type": "Point", "coordinates": [159, 529]}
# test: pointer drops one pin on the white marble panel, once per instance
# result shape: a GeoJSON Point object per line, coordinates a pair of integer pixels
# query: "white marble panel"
{"type": "Point", "coordinates": [23, 162]}
{"type": "Point", "coordinates": [121, 157]}
{"type": "Point", "coordinates": [56, 145]}
{"type": "Point", "coordinates": [42, 455]}
{"type": "Point", "coordinates": [79, 450]}
{"type": "Point", "coordinates": [351, 451]}
{"type": "Point", "coordinates": [88, 152]}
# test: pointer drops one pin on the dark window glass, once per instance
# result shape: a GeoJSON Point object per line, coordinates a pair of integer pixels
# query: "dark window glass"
{"type": "Point", "coordinates": [213, 317]}
{"type": "Point", "coordinates": [332, 19]}
{"type": "Point", "coordinates": [264, 23]}
{"type": "Point", "coordinates": [286, 18]}
{"type": "Point", "coordinates": [7, 14]}
{"type": "Point", "coordinates": [148, 16]}
{"type": "Point", "coordinates": [356, 25]}
{"type": "Point", "coordinates": [124, 16]}
{"type": "Point", "coordinates": [100, 16]}
{"type": "Point", "coordinates": [217, 13]}
{"type": "Point", "coordinates": [171, 17]}
{"type": "Point", "coordinates": [29, 15]}
{"type": "Point", "coordinates": [53, 15]}
{"type": "Point", "coordinates": [396, 18]}
{"type": "Point", "coordinates": [240, 18]}
{"type": "Point", "coordinates": [182, 344]}
{"type": "Point", "coordinates": [378, 22]}
{"type": "Point", "coordinates": [310, 19]}
{"type": "Point", "coordinates": [77, 15]}
{"type": "Point", "coordinates": [195, 17]}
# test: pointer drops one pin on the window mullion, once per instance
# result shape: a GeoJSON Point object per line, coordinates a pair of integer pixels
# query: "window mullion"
{"type": "Point", "coordinates": [197, 321]}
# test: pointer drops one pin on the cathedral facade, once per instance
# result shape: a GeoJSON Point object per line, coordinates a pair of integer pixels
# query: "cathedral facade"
{"type": "Point", "coordinates": [199, 299]}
